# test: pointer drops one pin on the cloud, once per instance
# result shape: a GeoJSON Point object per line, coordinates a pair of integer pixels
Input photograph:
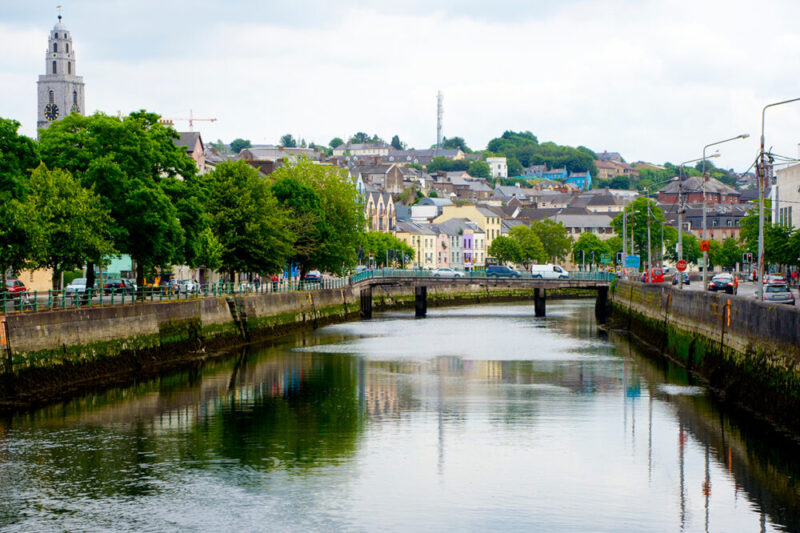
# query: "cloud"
{"type": "Point", "coordinates": [654, 80]}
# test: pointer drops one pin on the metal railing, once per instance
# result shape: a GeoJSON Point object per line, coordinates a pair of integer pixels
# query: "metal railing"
{"type": "Point", "coordinates": [34, 301]}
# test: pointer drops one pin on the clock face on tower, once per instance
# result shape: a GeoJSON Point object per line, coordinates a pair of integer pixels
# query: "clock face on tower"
{"type": "Point", "coordinates": [51, 112]}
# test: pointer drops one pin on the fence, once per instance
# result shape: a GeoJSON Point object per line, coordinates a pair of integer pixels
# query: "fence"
{"type": "Point", "coordinates": [54, 300]}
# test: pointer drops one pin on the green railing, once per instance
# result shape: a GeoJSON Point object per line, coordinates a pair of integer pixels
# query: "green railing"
{"type": "Point", "coordinates": [55, 300]}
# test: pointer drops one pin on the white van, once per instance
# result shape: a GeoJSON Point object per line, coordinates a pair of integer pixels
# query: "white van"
{"type": "Point", "coordinates": [548, 272]}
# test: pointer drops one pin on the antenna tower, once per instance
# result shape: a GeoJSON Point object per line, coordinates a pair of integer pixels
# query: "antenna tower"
{"type": "Point", "coordinates": [439, 113]}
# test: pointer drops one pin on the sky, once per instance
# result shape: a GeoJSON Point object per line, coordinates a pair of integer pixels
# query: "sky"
{"type": "Point", "coordinates": [655, 80]}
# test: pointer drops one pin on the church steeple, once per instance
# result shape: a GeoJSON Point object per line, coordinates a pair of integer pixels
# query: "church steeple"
{"type": "Point", "coordinates": [60, 88]}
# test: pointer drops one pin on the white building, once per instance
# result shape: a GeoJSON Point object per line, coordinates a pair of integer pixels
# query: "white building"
{"type": "Point", "coordinates": [786, 195]}
{"type": "Point", "coordinates": [497, 167]}
{"type": "Point", "coordinates": [60, 90]}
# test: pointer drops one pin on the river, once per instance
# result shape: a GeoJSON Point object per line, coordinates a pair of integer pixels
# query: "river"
{"type": "Point", "coordinates": [477, 418]}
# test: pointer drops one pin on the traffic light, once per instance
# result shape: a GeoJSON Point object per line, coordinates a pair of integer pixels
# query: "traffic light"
{"type": "Point", "coordinates": [619, 257]}
{"type": "Point", "coordinates": [747, 257]}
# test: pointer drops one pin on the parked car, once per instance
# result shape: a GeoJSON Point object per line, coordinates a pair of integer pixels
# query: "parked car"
{"type": "Point", "coordinates": [360, 269]}
{"type": "Point", "coordinates": [188, 286]}
{"type": "Point", "coordinates": [14, 288]}
{"type": "Point", "coordinates": [313, 275]}
{"type": "Point", "coordinates": [501, 271]}
{"type": "Point", "coordinates": [724, 282]}
{"type": "Point", "coordinates": [119, 286]}
{"type": "Point", "coordinates": [78, 286]}
{"type": "Point", "coordinates": [778, 293]}
{"type": "Point", "coordinates": [446, 273]}
{"type": "Point", "coordinates": [774, 278]}
{"type": "Point", "coordinates": [684, 275]}
{"type": "Point", "coordinates": [548, 271]}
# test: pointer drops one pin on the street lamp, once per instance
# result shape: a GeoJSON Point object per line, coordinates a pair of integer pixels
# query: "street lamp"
{"type": "Point", "coordinates": [705, 179]}
{"type": "Point", "coordinates": [761, 172]}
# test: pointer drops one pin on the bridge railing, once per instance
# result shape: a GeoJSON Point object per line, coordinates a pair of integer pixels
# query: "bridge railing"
{"type": "Point", "coordinates": [34, 301]}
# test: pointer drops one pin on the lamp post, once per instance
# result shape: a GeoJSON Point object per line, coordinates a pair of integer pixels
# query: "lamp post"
{"type": "Point", "coordinates": [761, 176]}
{"type": "Point", "coordinates": [705, 179]}
{"type": "Point", "coordinates": [649, 254]}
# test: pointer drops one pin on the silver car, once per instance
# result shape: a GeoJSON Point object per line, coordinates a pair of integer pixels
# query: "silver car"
{"type": "Point", "coordinates": [446, 273]}
{"type": "Point", "coordinates": [778, 293]}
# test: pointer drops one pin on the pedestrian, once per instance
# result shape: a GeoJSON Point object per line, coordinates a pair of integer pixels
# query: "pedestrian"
{"type": "Point", "coordinates": [257, 281]}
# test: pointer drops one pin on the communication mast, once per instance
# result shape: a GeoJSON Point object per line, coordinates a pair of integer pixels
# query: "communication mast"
{"type": "Point", "coordinates": [191, 120]}
{"type": "Point", "coordinates": [439, 113]}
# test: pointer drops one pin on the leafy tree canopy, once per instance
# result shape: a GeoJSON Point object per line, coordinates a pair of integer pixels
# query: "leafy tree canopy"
{"type": "Point", "coordinates": [532, 249]}
{"type": "Point", "coordinates": [554, 238]}
{"type": "Point", "coordinates": [479, 169]}
{"type": "Point", "coordinates": [442, 163]}
{"type": "Point", "coordinates": [237, 145]}
{"type": "Point", "coordinates": [364, 138]}
{"type": "Point", "coordinates": [397, 144]}
{"type": "Point", "coordinates": [336, 142]}
{"type": "Point", "coordinates": [18, 156]}
{"type": "Point", "coordinates": [455, 142]}
{"type": "Point", "coordinates": [506, 250]}
{"type": "Point", "coordinates": [384, 245]}
{"type": "Point", "coordinates": [525, 147]}
{"type": "Point", "coordinates": [288, 141]}
{"type": "Point", "coordinates": [589, 249]}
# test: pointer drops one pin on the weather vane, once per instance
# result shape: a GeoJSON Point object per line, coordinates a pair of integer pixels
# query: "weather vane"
{"type": "Point", "coordinates": [59, 12]}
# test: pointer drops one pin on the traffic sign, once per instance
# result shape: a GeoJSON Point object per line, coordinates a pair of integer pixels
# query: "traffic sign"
{"type": "Point", "coordinates": [705, 246]}
{"type": "Point", "coordinates": [681, 265]}
{"type": "Point", "coordinates": [632, 261]}
{"type": "Point", "coordinates": [605, 259]}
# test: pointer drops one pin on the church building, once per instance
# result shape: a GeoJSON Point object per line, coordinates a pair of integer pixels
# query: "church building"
{"type": "Point", "coordinates": [60, 89]}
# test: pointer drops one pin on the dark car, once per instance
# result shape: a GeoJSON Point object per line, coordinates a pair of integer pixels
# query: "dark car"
{"type": "Point", "coordinates": [684, 275]}
{"type": "Point", "coordinates": [14, 288]}
{"type": "Point", "coordinates": [500, 271]}
{"type": "Point", "coordinates": [724, 282]}
{"type": "Point", "coordinates": [118, 286]}
{"type": "Point", "coordinates": [778, 293]}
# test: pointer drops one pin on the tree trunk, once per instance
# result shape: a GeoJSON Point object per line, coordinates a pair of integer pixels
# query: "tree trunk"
{"type": "Point", "coordinates": [56, 281]}
{"type": "Point", "coordinates": [140, 280]}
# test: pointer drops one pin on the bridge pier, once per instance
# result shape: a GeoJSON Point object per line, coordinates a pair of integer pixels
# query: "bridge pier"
{"type": "Point", "coordinates": [420, 302]}
{"type": "Point", "coordinates": [366, 302]}
{"type": "Point", "coordinates": [539, 302]}
{"type": "Point", "coordinates": [601, 305]}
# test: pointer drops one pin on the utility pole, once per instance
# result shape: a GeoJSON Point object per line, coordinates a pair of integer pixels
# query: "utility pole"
{"type": "Point", "coordinates": [624, 237]}
{"type": "Point", "coordinates": [680, 229]}
{"type": "Point", "coordinates": [649, 253]}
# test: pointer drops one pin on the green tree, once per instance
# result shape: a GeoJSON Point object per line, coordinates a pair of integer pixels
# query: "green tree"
{"type": "Point", "coordinates": [209, 250]}
{"type": "Point", "coordinates": [360, 138]}
{"type": "Point", "coordinates": [479, 169]}
{"type": "Point", "coordinates": [554, 238]}
{"type": "Point", "coordinates": [589, 249]}
{"type": "Point", "coordinates": [335, 142]}
{"type": "Point", "coordinates": [132, 163]}
{"type": "Point", "coordinates": [455, 142]}
{"type": "Point", "coordinates": [506, 250]}
{"type": "Point", "coordinates": [614, 246]}
{"type": "Point", "coordinates": [252, 227]}
{"type": "Point", "coordinates": [638, 213]}
{"type": "Point", "coordinates": [731, 253]}
{"type": "Point", "coordinates": [447, 165]}
{"type": "Point", "coordinates": [237, 145]}
{"type": "Point", "coordinates": [288, 141]}
{"type": "Point", "coordinates": [433, 194]}
{"type": "Point", "coordinates": [619, 182]}
{"type": "Point", "coordinates": [21, 237]}
{"type": "Point", "coordinates": [514, 167]}
{"type": "Point", "coordinates": [385, 246]}
{"type": "Point", "coordinates": [19, 155]}
{"type": "Point", "coordinates": [340, 221]}
{"type": "Point", "coordinates": [73, 221]}
{"type": "Point", "coordinates": [691, 247]}
{"type": "Point", "coordinates": [397, 144]}
{"type": "Point", "coordinates": [532, 249]}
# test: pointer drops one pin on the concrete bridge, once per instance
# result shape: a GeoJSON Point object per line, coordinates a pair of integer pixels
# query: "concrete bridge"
{"type": "Point", "coordinates": [421, 282]}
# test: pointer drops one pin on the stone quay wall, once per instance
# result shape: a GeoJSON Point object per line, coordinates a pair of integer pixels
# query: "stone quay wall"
{"type": "Point", "coordinates": [747, 350]}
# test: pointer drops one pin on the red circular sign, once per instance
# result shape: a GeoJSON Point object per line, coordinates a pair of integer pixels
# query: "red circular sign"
{"type": "Point", "coordinates": [681, 265]}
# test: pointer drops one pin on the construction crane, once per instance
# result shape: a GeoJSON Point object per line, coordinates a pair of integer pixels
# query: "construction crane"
{"type": "Point", "coordinates": [191, 120]}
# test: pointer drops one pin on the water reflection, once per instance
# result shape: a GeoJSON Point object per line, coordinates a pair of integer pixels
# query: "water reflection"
{"type": "Point", "coordinates": [477, 418]}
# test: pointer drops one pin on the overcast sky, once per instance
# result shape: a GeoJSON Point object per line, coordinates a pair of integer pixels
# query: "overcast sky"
{"type": "Point", "coordinates": [652, 79]}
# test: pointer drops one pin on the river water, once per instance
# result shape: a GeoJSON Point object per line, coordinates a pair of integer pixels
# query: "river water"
{"type": "Point", "coordinates": [479, 418]}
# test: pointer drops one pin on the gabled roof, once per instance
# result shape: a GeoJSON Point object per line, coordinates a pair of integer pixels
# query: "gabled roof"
{"type": "Point", "coordinates": [414, 228]}
{"type": "Point", "coordinates": [188, 140]}
{"type": "Point", "coordinates": [695, 184]}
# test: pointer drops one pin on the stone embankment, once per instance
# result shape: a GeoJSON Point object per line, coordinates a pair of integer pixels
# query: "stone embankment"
{"type": "Point", "coordinates": [747, 350]}
{"type": "Point", "coordinates": [56, 354]}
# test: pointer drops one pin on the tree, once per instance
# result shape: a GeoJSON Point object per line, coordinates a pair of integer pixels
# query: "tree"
{"type": "Point", "coordinates": [385, 246]}
{"type": "Point", "coordinates": [506, 250]}
{"type": "Point", "coordinates": [20, 236]}
{"type": "Point", "coordinates": [220, 146]}
{"type": "Point", "coordinates": [479, 169]}
{"type": "Point", "coordinates": [209, 250]}
{"type": "Point", "coordinates": [19, 155]}
{"type": "Point", "coordinates": [397, 144]}
{"type": "Point", "coordinates": [335, 142]}
{"type": "Point", "coordinates": [455, 142]}
{"type": "Point", "coordinates": [360, 138]}
{"type": "Point", "coordinates": [614, 246]}
{"type": "Point", "coordinates": [730, 254]}
{"type": "Point", "coordinates": [288, 141]}
{"type": "Point", "coordinates": [72, 220]}
{"type": "Point", "coordinates": [619, 182]}
{"type": "Point", "coordinates": [637, 213]}
{"type": "Point", "coordinates": [525, 147]}
{"type": "Point", "coordinates": [532, 250]}
{"type": "Point", "coordinates": [442, 163]}
{"type": "Point", "coordinates": [252, 227]}
{"type": "Point", "coordinates": [589, 249]}
{"type": "Point", "coordinates": [433, 194]}
{"type": "Point", "coordinates": [132, 164]}
{"type": "Point", "coordinates": [514, 167]}
{"type": "Point", "coordinates": [691, 247]}
{"type": "Point", "coordinates": [237, 145]}
{"type": "Point", "coordinates": [554, 238]}
{"type": "Point", "coordinates": [341, 221]}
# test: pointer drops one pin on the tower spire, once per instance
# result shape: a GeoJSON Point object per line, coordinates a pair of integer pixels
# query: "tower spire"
{"type": "Point", "coordinates": [59, 12]}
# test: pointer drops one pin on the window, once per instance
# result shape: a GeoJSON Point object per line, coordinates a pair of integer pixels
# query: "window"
{"type": "Point", "coordinates": [69, 67]}
{"type": "Point", "coordinates": [52, 97]}
{"type": "Point", "coordinates": [54, 68]}
{"type": "Point", "coordinates": [67, 47]}
{"type": "Point", "coordinates": [55, 47]}
{"type": "Point", "coordinates": [56, 36]}
{"type": "Point", "coordinates": [74, 97]}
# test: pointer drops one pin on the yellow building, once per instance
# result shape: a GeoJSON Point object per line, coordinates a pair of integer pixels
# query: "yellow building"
{"type": "Point", "coordinates": [422, 239]}
{"type": "Point", "coordinates": [487, 220]}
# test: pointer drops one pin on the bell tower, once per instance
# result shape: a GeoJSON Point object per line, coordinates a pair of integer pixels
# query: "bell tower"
{"type": "Point", "coordinates": [60, 89]}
